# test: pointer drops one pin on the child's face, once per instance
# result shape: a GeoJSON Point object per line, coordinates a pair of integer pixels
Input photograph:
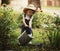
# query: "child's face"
{"type": "Point", "coordinates": [29, 12]}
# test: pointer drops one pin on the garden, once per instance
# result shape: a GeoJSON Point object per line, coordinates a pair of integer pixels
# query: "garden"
{"type": "Point", "coordinates": [46, 31]}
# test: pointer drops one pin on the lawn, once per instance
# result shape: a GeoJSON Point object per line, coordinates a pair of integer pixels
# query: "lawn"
{"type": "Point", "coordinates": [39, 38]}
{"type": "Point", "coordinates": [36, 33]}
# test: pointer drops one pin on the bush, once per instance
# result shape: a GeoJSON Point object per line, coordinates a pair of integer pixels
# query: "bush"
{"type": "Point", "coordinates": [19, 20]}
{"type": "Point", "coordinates": [53, 33]}
{"type": "Point", "coordinates": [40, 19]}
{"type": "Point", "coordinates": [49, 26]}
{"type": "Point", "coordinates": [7, 25]}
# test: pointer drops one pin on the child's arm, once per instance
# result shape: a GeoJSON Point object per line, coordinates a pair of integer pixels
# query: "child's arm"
{"type": "Point", "coordinates": [30, 23]}
{"type": "Point", "coordinates": [24, 22]}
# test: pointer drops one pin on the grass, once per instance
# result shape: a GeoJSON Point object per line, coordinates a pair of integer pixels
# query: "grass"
{"type": "Point", "coordinates": [37, 40]}
{"type": "Point", "coordinates": [38, 37]}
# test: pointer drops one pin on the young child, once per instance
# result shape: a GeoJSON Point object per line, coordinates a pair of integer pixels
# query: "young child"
{"type": "Point", "coordinates": [27, 19]}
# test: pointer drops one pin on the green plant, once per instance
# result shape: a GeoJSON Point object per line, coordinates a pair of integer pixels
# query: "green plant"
{"type": "Point", "coordinates": [57, 20]}
{"type": "Point", "coordinates": [19, 19]}
{"type": "Point", "coordinates": [7, 25]}
{"type": "Point", "coordinates": [53, 33]}
{"type": "Point", "coordinates": [41, 19]}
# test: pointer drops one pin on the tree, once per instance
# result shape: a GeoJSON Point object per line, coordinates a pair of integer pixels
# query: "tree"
{"type": "Point", "coordinates": [5, 2]}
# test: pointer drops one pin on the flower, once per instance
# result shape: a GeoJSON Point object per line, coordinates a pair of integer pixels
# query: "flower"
{"type": "Point", "coordinates": [4, 5]}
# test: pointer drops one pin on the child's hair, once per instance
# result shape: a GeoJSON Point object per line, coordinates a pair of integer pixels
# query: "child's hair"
{"type": "Point", "coordinates": [25, 15]}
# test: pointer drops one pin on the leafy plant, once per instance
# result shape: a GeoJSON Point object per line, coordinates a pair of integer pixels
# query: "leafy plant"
{"type": "Point", "coordinates": [19, 19]}
{"type": "Point", "coordinates": [7, 24]}
{"type": "Point", "coordinates": [53, 33]}
{"type": "Point", "coordinates": [41, 19]}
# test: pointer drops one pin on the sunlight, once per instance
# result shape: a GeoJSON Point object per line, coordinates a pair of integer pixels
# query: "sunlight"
{"type": "Point", "coordinates": [18, 4]}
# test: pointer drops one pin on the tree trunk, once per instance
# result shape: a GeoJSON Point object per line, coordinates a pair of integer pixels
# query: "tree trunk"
{"type": "Point", "coordinates": [37, 3]}
{"type": "Point", "coordinates": [5, 2]}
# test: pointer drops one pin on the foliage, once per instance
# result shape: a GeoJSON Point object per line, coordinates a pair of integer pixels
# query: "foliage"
{"type": "Point", "coordinates": [53, 32]}
{"type": "Point", "coordinates": [20, 19]}
{"type": "Point", "coordinates": [49, 28]}
{"type": "Point", "coordinates": [7, 25]}
{"type": "Point", "coordinates": [40, 19]}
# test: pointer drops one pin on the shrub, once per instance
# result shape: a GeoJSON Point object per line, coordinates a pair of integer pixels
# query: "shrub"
{"type": "Point", "coordinates": [7, 25]}
{"type": "Point", "coordinates": [19, 20]}
{"type": "Point", "coordinates": [50, 26]}
{"type": "Point", "coordinates": [41, 19]}
{"type": "Point", "coordinates": [53, 33]}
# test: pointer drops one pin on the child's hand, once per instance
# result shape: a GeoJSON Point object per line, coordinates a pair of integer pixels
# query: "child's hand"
{"type": "Point", "coordinates": [26, 26]}
{"type": "Point", "coordinates": [29, 26]}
